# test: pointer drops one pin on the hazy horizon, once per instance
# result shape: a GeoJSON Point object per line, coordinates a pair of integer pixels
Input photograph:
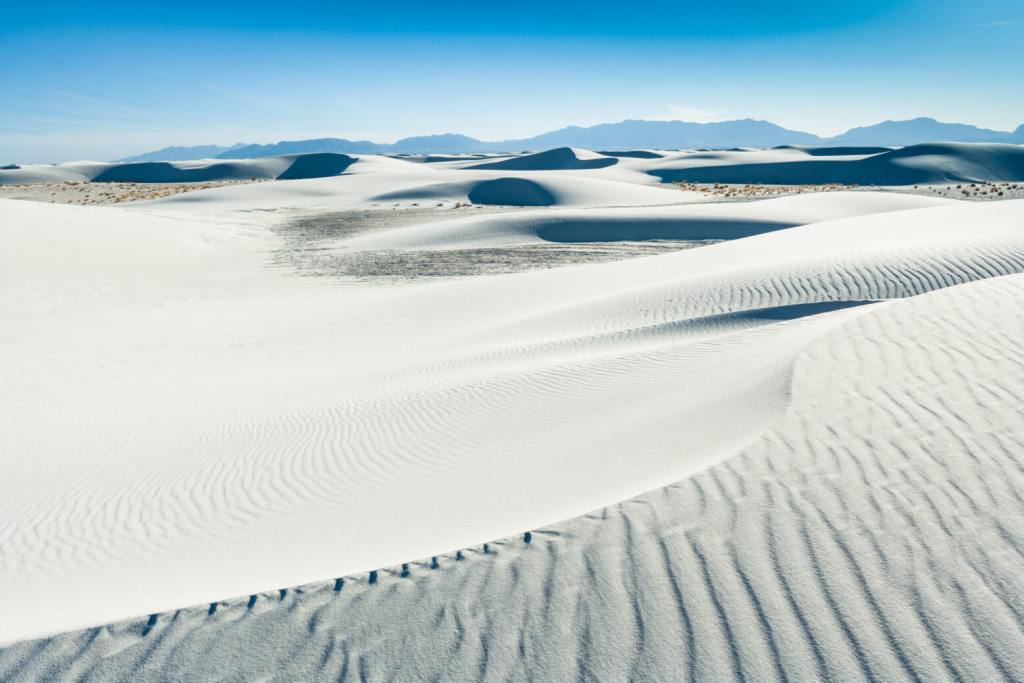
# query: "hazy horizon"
{"type": "Point", "coordinates": [128, 79]}
{"type": "Point", "coordinates": [298, 137]}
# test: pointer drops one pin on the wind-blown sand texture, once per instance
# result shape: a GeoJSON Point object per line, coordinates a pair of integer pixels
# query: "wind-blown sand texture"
{"type": "Point", "coordinates": [799, 426]}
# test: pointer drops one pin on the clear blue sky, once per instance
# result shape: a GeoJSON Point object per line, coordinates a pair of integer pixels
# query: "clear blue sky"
{"type": "Point", "coordinates": [101, 79]}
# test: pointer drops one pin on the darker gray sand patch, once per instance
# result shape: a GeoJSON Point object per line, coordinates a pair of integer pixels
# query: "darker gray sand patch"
{"type": "Point", "coordinates": [318, 230]}
{"type": "Point", "coordinates": [82, 192]}
{"type": "Point", "coordinates": [311, 248]}
{"type": "Point", "coordinates": [403, 266]}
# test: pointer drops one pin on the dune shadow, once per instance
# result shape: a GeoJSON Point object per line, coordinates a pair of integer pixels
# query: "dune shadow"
{"type": "Point", "coordinates": [166, 172]}
{"type": "Point", "coordinates": [625, 230]}
{"type": "Point", "coordinates": [511, 192]}
{"type": "Point", "coordinates": [302, 166]}
{"type": "Point", "coordinates": [320, 165]}
{"type": "Point", "coordinates": [560, 159]}
{"type": "Point", "coordinates": [928, 163]}
{"type": "Point", "coordinates": [836, 151]}
{"type": "Point", "coordinates": [844, 151]}
{"type": "Point", "coordinates": [634, 154]}
{"type": "Point", "coordinates": [812, 172]}
{"type": "Point", "coordinates": [796, 311]}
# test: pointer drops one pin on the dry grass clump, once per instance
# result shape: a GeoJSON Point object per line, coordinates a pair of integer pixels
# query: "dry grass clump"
{"type": "Point", "coordinates": [981, 190]}
{"type": "Point", "coordinates": [87, 193]}
{"type": "Point", "coordinates": [757, 190]}
{"type": "Point", "coordinates": [972, 191]}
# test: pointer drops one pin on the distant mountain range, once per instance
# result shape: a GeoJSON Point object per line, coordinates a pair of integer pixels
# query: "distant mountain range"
{"type": "Point", "coordinates": [184, 153]}
{"type": "Point", "coordinates": [917, 131]}
{"type": "Point", "coordinates": [630, 134]}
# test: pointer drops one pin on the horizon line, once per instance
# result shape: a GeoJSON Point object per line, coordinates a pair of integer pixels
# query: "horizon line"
{"type": "Point", "coordinates": [395, 140]}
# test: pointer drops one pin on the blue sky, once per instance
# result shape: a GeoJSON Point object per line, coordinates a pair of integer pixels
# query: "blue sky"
{"type": "Point", "coordinates": [102, 80]}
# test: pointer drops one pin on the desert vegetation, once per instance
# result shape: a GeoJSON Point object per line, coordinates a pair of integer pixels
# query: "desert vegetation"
{"type": "Point", "coordinates": [979, 191]}
{"type": "Point", "coordinates": [87, 193]}
{"type": "Point", "coordinates": [748, 190]}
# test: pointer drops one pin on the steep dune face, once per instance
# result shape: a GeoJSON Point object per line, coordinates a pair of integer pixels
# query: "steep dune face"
{"type": "Point", "coordinates": [167, 172]}
{"type": "Point", "coordinates": [961, 161]}
{"type": "Point", "coordinates": [634, 154]}
{"type": "Point", "coordinates": [511, 192]}
{"type": "Point", "coordinates": [837, 151]}
{"type": "Point", "coordinates": [316, 166]}
{"type": "Point", "coordinates": [559, 159]}
{"type": "Point", "coordinates": [929, 163]}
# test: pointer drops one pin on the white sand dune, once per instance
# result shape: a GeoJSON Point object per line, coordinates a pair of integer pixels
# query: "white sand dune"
{"type": "Point", "coordinates": [438, 158]}
{"type": "Point", "coordinates": [288, 167]}
{"type": "Point", "coordinates": [871, 533]}
{"type": "Point", "coordinates": [917, 164]}
{"type": "Point", "coordinates": [634, 154]}
{"type": "Point", "coordinates": [559, 159]}
{"type": "Point", "coordinates": [76, 171]}
{"type": "Point", "coordinates": [376, 181]}
{"type": "Point", "coordinates": [696, 222]}
{"type": "Point", "coordinates": [547, 191]}
{"type": "Point", "coordinates": [836, 151]}
{"type": "Point", "coordinates": [929, 163]}
{"type": "Point", "coordinates": [830, 474]}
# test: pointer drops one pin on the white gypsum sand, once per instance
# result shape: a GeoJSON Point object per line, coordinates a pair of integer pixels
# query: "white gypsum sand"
{"type": "Point", "coordinates": [869, 533]}
{"type": "Point", "coordinates": [189, 422]}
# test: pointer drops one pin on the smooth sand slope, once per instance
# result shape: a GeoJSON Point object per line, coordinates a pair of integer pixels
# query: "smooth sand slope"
{"type": "Point", "coordinates": [189, 419]}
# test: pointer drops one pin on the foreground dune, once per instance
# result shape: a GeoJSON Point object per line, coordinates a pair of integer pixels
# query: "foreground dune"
{"type": "Point", "coordinates": [870, 533]}
{"type": "Point", "coordinates": [812, 420]}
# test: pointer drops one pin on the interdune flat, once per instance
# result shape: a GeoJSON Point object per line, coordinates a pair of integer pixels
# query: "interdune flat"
{"type": "Point", "coordinates": [784, 447]}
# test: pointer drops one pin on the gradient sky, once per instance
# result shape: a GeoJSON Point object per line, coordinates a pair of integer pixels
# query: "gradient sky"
{"type": "Point", "coordinates": [100, 80]}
